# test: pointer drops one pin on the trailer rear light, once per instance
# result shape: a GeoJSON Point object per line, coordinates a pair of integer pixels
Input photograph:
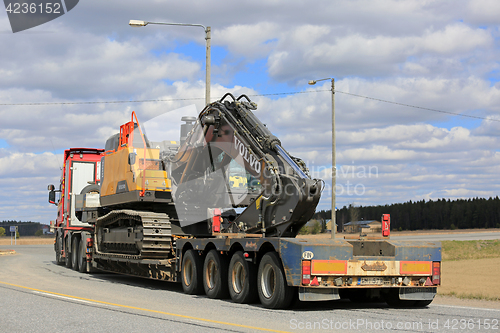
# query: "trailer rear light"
{"type": "Point", "coordinates": [306, 272]}
{"type": "Point", "coordinates": [436, 273]}
{"type": "Point", "coordinates": [415, 267]}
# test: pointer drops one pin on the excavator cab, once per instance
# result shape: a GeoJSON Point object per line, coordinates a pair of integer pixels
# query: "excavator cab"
{"type": "Point", "coordinates": [132, 172]}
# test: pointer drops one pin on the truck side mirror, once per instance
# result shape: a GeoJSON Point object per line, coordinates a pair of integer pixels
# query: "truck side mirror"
{"type": "Point", "coordinates": [52, 197]}
{"type": "Point", "coordinates": [52, 194]}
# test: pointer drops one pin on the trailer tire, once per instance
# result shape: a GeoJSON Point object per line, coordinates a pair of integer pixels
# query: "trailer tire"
{"type": "Point", "coordinates": [191, 273]}
{"type": "Point", "coordinates": [215, 275]}
{"type": "Point", "coordinates": [67, 252]}
{"type": "Point", "coordinates": [274, 292]}
{"type": "Point", "coordinates": [74, 252]}
{"type": "Point", "coordinates": [242, 279]}
{"type": "Point", "coordinates": [82, 256]}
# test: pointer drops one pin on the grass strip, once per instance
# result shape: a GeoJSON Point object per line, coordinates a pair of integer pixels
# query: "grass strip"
{"type": "Point", "coordinates": [474, 296]}
{"type": "Point", "coordinates": [464, 250]}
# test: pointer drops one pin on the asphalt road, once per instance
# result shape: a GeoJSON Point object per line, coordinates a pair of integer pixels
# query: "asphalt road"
{"type": "Point", "coordinates": [36, 295]}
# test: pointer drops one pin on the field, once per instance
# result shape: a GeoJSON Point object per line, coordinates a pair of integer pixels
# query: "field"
{"type": "Point", "coordinates": [471, 279]}
{"type": "Point", "coordinates": [27, 240]}
{"type": "Point", "coordinates": [470, 269]}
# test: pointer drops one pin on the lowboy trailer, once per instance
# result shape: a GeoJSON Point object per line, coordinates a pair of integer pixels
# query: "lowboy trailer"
{"type": "Point", "coordinates": [174, 212]}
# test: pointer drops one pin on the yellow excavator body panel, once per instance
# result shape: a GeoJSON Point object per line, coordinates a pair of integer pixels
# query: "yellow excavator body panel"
{"type": "Point", "coordinates": [130, 172]}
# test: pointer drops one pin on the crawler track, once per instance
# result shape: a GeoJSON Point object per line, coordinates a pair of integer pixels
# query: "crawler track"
{"type": "Point", "coordinates": [134, 234]}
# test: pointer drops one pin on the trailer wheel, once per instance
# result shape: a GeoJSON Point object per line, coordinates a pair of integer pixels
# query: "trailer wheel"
{"type": "Point", "coordinates": [274, 292]}
{"type": "Point", "coordinates": [82, 256]}
{"type": "Point", "coordinates": [242, 279]}
{"type": "Point", "coordinates": [74, 252]}
{"type": "Point", "coordinates": [215, 275]}
{"type": "Point", "coordinates": [67, 253]}
{"type": "Point", "coordinates": [191, 273]}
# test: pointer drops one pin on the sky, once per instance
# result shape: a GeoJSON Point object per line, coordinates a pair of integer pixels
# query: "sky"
{"type": "Point", "coordinates": [441, 57]}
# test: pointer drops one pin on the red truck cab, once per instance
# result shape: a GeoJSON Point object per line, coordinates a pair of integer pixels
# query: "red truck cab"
{"type": "Point", "coordinates": [81, 170]}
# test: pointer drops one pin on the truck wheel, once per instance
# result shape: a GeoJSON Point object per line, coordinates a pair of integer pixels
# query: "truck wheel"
{"type": "Point", "coordinates": [58, 246]}
{"type": "Point", "coordinates": [67, 253]}
{"type": "Point", "coordinates": [74, 253]}
{"type": "Point", "coordinates": [274, 292]}
{"type": "Point", "coordinates": [191, 273]}
{"type": "Point", "coordinates": [215, 275]}
{"type": "Point", "coordinates": [242, 279]}
{"type": "Point", "coordinates": [82, 256]}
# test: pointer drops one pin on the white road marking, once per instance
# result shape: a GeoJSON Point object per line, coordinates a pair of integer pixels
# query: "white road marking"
{"type": "Point", "coordinates": [69, 298]}
{"type": "Point", "coordinates": [463, 307]}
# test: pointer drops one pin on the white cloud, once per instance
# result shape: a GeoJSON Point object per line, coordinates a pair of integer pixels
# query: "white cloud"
{"type": "Point", "coordinates": [28, 164]}
{"type": "Point", "coordinates": [310, 48]}
{"type": "Point", "coordinates": [434, 54]}
{"type": "Point", "coordinates": [248, 40]}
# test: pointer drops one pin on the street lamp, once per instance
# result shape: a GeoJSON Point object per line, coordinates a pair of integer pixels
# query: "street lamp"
{"type": "Point", "coordinates": [138, 23]}
{"type": "Point", "coordinates": [334, 167]}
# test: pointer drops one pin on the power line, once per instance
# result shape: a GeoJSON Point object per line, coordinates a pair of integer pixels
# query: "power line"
{"type": "Point", "coordinates": [255, 95]}
{"type": "Point", "coordinates": [100, 102]}
{"type": "Point", "coordinates": [385, 101]}
{"type": "Point", "coordinates": [417, 107]}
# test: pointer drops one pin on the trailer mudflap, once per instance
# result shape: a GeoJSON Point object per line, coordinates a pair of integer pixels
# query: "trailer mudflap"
{"type": "Point", "coordinates": [318, 294]}
{"type": "Point", "coordinates": [417, 294]}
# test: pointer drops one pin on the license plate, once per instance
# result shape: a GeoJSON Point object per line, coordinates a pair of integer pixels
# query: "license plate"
{"type": "Point", "coordinates": [371, 281]}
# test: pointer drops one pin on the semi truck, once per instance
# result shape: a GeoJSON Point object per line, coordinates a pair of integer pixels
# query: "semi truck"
{"type": "Point", "coordinates": [219, 211]}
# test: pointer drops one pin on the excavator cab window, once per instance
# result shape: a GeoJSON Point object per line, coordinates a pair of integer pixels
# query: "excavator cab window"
{"type": "Point", "coordinates": [136, 140]}
{"type": "Point", "coordinates": [237, 176]}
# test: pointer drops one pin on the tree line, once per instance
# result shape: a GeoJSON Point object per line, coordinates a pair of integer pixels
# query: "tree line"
{"type": "Point", "coordinates": [422, 215]}
{"type": "Point", "coordinates": [24, 228]}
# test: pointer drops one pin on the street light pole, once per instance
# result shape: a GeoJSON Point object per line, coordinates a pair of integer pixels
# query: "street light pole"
{"type": "Point", "coordinates": [334, 165]}
{"type": "Point", "coordinates": [208, 36]}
